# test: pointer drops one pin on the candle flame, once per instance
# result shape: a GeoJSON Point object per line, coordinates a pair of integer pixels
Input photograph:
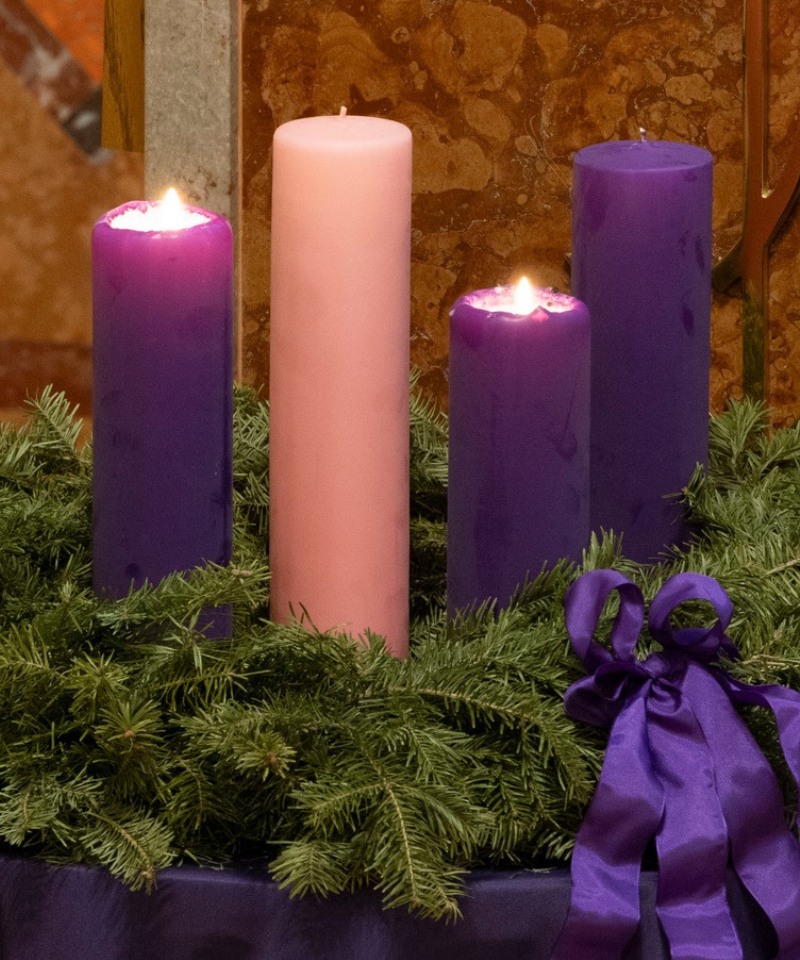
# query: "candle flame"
{"type": "Point", "coordinates": [525, 301]}
{"type": "Point", "coordinates": [171, 210]}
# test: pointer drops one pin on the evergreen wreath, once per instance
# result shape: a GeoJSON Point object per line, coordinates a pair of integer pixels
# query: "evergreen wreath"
{"type": "Point", "coordinates": [129, 741]}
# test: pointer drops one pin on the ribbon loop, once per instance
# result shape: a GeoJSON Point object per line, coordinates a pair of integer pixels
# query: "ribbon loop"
{"type": "Point", "coordinates": [583, 607]}
{"type": "Point", "coordinates": [598, 699]}
{"type": "Point", "coordinates": [703, 644]}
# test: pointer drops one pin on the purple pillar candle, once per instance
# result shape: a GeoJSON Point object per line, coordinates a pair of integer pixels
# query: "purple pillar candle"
{"type": "Point", "coordinates": [163, 395]}
{"type": "Point", "coordinates": [641, 261]}
{"type": "Point", "coordinates": [518, 493]}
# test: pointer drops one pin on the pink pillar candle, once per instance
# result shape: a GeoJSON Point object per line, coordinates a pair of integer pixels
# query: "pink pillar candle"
{"type": "Point", "coordinates": [339, 366]}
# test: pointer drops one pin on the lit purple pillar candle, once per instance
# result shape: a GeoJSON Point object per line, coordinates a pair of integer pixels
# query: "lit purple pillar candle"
{"type": "Point", "coordinates": [162, 497]}
{"type": "Point", "coordinates": [518, 493]}
{"type": "Point", "coordinates": [641, 261]}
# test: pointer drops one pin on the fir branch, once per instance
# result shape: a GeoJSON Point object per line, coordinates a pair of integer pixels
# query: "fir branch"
{"type": "Point", "coordinates": [18, 468]}
{"type": "Point", "coordinates": [54, 430]}
{"type": "Point", "coordinates": [45, 807]}
{"type": "Point", "coordinates": [171, 609]}
{"type": "Point", "coordinates": [240, 736]}
{"type": "Point", "coordinates": [133, 848]}
{"type": "Point", "coordinates": [250, 464]}
{"type": "Point", "coordinates": [429, 460]}
{"type": "Point", "coordinates": [128, 734]}
{"type": "Point", "coordinates": [130, 740]}
{"type": "Point", "coordinates": [318, 867]}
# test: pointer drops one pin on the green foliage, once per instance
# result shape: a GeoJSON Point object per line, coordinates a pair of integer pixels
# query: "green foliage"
{"type": "Point", "coordinates": [428, 475]}
{"type": "Point", "coordinates": [130, 741]}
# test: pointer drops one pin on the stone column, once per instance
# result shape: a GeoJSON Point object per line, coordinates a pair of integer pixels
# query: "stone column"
{"type": "Point", "coordinates": [192, 107]}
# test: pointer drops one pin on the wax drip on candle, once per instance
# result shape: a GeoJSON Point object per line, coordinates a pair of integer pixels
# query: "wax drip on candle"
{"type": "Point", "coordinates": [161, 215]}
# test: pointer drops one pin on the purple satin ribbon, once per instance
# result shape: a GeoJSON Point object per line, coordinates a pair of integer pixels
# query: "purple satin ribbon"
{"type": "Point", "coordinates": [680, 767]}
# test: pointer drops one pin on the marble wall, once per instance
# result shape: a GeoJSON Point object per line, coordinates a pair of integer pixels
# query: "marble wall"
{"type": "Point", "coordinates": [50, 196]}
{"type": "Point", "coordinates": [51, 193]}
{"type": "Point", "coordinates": [784, 289]}
{"type": "Point", "coordinates": [499, 96]}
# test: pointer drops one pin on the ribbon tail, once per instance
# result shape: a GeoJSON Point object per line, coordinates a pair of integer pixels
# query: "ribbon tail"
{"type": "Point", "coordinates": [624, 814]}
{"type": "Point", "coordinates": [692, 842]}
{"type": "Point", "coordinates": [764, 853]}
{"type": "Point", "coordinates": [785, 705]}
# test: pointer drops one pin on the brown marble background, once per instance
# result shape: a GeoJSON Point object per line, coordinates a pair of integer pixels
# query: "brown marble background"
{"type": "Point", "coordinates": [51, 193]}
{"type": "Point", "coordinates": [499, 96]}
{"type": "Point", "coordinates": [784, 290]}
{"type": "Point", "coordinates": [50, 197]}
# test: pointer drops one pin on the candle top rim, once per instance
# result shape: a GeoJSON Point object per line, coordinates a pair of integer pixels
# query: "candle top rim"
{"type": "Point", "coordinates": [343, 132]}
{"type": "Point", "coordinates": [645, 155]}
{"type": "Point", "coordinates": [133, 216]}
{"type": "Point", "coordinates": [500, 300]}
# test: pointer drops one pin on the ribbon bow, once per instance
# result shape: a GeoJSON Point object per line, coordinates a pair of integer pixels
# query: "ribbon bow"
{"type": "Point", "coordinates": [680, 766]}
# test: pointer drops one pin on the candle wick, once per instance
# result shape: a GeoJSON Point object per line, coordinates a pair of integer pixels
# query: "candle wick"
{"type": "Point", "coordinates": [343, 112]}
{"type": "Point", "coordinates": [643, 134]}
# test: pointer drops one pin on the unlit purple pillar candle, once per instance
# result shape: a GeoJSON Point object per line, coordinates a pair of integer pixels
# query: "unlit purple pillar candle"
{"type": "Point", "coordinates": [163, 395]}
{"type": "Point", "coordinates": [641, 252]}
{"type": "Point", "coordinates": [518, 493]}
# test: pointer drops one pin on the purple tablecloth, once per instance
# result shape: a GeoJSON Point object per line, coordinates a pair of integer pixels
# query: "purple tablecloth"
{"type": "Point", "coordinates": [78, 913]}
